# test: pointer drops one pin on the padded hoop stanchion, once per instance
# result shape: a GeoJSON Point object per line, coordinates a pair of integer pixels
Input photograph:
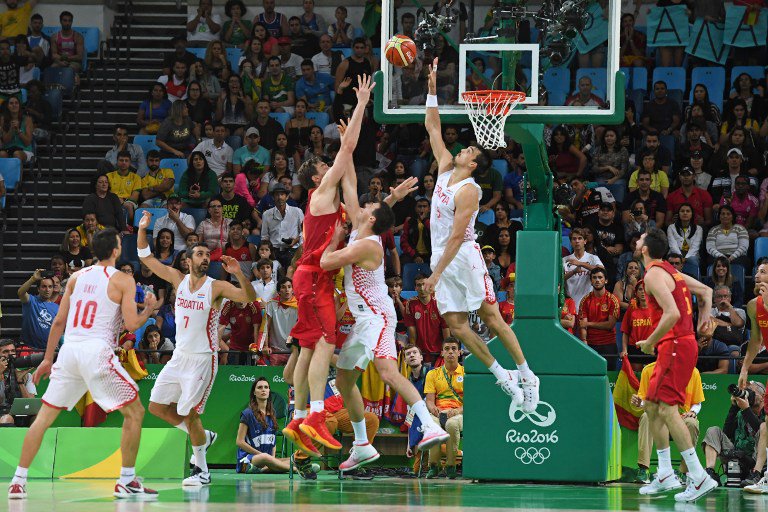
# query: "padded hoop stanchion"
{"type": "Point", "coordinates": [488, 111]}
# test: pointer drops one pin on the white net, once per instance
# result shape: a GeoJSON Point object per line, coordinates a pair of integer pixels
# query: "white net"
{"type": "Point", "coordinates": [488, 111]}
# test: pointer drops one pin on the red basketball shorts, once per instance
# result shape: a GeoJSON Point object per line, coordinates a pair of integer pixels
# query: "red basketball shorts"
{"type": "Point", "coordinates": [317, 312]}
{"type": "Point", "coordinates": [674, 366]}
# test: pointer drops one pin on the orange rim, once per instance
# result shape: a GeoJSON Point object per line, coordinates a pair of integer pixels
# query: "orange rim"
{"type": "Point", "coordinates": [497, 102]}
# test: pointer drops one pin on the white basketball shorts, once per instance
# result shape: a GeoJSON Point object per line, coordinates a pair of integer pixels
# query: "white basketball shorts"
{"type": "Point", "coordinates": [465, 283]}
{"type": "Point", "coordinates": [372, 336]}
{"type": "Point", "coordinates": [186, 380]}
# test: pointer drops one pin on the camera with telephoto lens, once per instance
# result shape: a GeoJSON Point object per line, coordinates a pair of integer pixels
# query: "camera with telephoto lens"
{"type": "Point", "coordinates": [563, 195]}
{"type": "Point", "coordinates": [30, 361]}
{"type": "Point", "coordinates": [747, 394]}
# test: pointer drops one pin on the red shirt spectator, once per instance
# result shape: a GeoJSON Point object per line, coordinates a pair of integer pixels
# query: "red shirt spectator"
{"type": "Point", "coordinates": [637, 323]}
{"type": "Point", "coordinates": [698, 198]}
{"type": "Point", "coordinates": [569, 308]}
{"type": "Point", "coordinates": [244, 321]}
{"type": "Point", "coordinates": [598, 312]}
{"type": "Point", "coordinates": [426, 328]}
{"type": "Point", "coordinates": [744, 204]}
{"type": "Point", "coordinates": [507, 310]}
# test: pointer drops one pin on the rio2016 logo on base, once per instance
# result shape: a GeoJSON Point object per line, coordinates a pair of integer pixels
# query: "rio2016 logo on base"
{"type": "Point", "coordinates": [533, 446]}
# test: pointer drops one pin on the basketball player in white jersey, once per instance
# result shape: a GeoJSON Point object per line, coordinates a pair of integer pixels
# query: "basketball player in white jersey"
{"type": "Point", "coordinates": [459, 277]}
{"type": "Point", "coordinates": [373, 334]}
{"type": "Point", "coordinates": [185, 382]}
{"type": "Point", "coordinates": [98, 302]}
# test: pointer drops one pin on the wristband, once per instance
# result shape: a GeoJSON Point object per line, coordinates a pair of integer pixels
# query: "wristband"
{"type": "Point", "coordinates": [143, 253]}
{"type": "Point", "coordinates": [431, 100]}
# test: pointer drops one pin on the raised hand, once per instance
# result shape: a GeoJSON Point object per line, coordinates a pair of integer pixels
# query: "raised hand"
{"type": "Point", "coordinates": [432, 78]}
{"type": "Point", "coordinates": [150, 301]}
{"type": "Point", "coordinates": [230, 264]}
{"type": "Point", "coordinates": [409, 186]}
{"type": "Point", "coordinates": [365, 85]}
{"type": "Point", "coordinates": [146, 218]}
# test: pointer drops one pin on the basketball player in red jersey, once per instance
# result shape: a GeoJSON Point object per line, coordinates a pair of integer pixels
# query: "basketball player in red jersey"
{"type": "Point", "coordinates": [315, 329]}
{"type": "Point", "coordinates": [668, 297]}
{"type": "Point", "coordinates": [757, 310]}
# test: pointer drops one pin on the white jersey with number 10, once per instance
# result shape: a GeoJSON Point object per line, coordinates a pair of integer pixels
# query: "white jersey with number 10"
{"type": "Point", "coordinates": [92, 314]}
{"type": "Point", "coordinates": [197, 321]}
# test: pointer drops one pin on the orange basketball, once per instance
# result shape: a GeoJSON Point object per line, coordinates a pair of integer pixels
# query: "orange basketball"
{"type": "Point", "coordinates": [400, 50]}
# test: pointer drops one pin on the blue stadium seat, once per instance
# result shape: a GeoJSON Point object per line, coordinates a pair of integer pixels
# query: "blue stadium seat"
{"type": "Point", "coordinates": [91, 38]}
{"type": "Point", "coordinates": [673, 76]}
{"type": "Point", "coordinates": [761, 248]}
{"type": "Point", "coordinates": [49, 30]}
{"type": "Point", "coordinates": [639, 79]}
{"type": "Point", "coordinates": [234, 141]}
{"type": "Point", "coordinates": [502, 166]}
{"type": "Point", "coordinates": [197, 52]}
{"type": "Point", "coordinates": [397, 244]}
{"type": "Point", "coordinates": [501, 296]}
{"type": "Point", "coordinates": [23, 96]}
{"type": "Point", "coordinates": [254, 239]}
{"type": "Point", "coordinates": [233, 56]}
{"type": "Point", "coordinates": [407, 294]}
{"type": "Point", "coordinates": [63, 77]}
{"type": "Point", "coordinates": [558, 80]}
{"type": "Point", "coordinates": [321, 118]}
{"type": "Point", "coordinates": [345, 52]}
{"type": "Point", "coordinates": [139, 333]}
{"type": "Point", "coordinates": [197, 213]}
{"type": "Point", "coordinates": [177, 165]}
{"type": "Point", "coordinates": [357, 32]}
{"type": "Point", "coordinates": [147, 143]}
{"type": "Point", "coordinates": [599, 80]}
{"type": "Point", "coordinates": [487, 217]}
{"type": "Point", "coordinates": [10, 169]}
{"type": "Point", "coordinates": [281, 117]}
{"type": "Point", "coordinates": [627, 77]}
{"type": "Point", "coordinates": [409, 274]}
{"type": "Point", "coordinates": [156, 214]}
{"type": "Point", "coordinates": [713, 78]}
{"type": "Point", "coordinates": [756, 72]}
{"type": "Point", "coordinates": [566, 242]}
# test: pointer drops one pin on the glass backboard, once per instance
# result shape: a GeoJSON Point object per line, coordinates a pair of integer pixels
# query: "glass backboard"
{"type": "Point", "coordinates": [563, 54]}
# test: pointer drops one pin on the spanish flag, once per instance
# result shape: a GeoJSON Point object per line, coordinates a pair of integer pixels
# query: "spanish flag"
{"type": "Point", "coordinates": [626, 386]}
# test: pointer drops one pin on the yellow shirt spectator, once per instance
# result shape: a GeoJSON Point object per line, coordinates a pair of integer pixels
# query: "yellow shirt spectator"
{"type": "Point", "coordinates": [694, 392]}
{"type": "Point", "coordinates": [437, 383]}
{"type": "Point", "coordinates": [123, 186]}
{"type": "Point", "coordinates": [151, 181]}
{"type": "Point", "coordinates": [659, 180]}
{"type": "Point", "coordinates": [15, 22]}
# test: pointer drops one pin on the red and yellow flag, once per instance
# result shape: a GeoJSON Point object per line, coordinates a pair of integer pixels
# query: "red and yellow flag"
{"type": "Point", "coordinates": [626, 386]}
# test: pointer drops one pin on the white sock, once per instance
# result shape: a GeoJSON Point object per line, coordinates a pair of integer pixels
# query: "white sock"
{"type": "Point", "coordinates": [183, 427]}
{"type": "Point", "coordinates": [200, 461]}
{"type": "Point", "coordinates": [665, 461]}
{"type": "Point", "coordinates": [421, 412]}
{"type": "Point", "coordinates": [498, 372]}
{"type": "Point", "coordinates": [525, 371]}
{"type": "Point", "coordinates": [316, 406]}
{"type": "Point", "coordinates": [300, 414]}
{"type": "Point", "coordinates": [361, 436]}
{"type": "Point", "coordinates": [127, 475]}
{"type": "Point", "coordinates": [695, 469]}
{"type": "Point", "coordinates": [20, 477]}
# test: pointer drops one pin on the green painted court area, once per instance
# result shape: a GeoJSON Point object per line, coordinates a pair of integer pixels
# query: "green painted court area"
{"type": "Point", "coordinates": [232, 492]}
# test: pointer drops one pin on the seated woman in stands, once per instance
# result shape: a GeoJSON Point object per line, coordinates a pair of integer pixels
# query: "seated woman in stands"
{"type": "Point", "coordinates": [198, 183]}
{"type": "Point", "coordinates": [76, 255]}
{"type": "Point", "coordinates": [153, 348]}
{"type": "Point", "coordinates": [216, 61]}
{"type": "Point", "coordinates": [256, 434]}
{"type": "Point", "coordinates": [164, 250]}
{"type": "Point", "coordinates": [153, 110]}
{"type": "Point", "coordinates": [176, 136]}
{"type": "Point", "coordinates": [17, 129]}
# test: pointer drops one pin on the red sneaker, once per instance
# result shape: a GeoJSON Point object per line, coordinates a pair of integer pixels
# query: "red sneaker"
{"type": "Point", "coordinates": [314, 427]}
{"type": "Point", "coordinates": [299, 438]}
{"type": "Point", "coordinates": [17, 492]}
{"type": "Point", "coordinates": [135, 490]}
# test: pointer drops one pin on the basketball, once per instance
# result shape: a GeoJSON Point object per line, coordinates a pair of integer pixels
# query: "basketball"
{"type": "Point", "coordinates": [400, 50]}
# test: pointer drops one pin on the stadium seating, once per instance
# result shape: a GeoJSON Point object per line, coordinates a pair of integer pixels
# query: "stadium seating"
{"type": "Point", "coordinates": [233, 56]}
{"type": "Point", "coordinates": [64, 78]}
{"type": "Point", "coordinates": [756, 72]}
{"type": "Point", "coordinates": [156, 214]}
{"type": "Point", "coordinates": [281, 117]}
{"type": "Point", "coordinates": [674, 78]}
{"type": "Point", "coordinates": [487, 217]}
{"type": "Point", "coordinates": [147, 143]}
{"type": "Point", "coordinates": [557, 82]}
{"type": "Point", "coordinates": [10, 169]}
{"type": "Point", "coordinates": [713, 78]}
{"type": "Point", "coordinates": [599, 80]}
{"type": "Point", "coordinates": [198, 214]}
{"type": "Point", "coordinates": [177, 165]}
{"type": "Point", "coordinates": [761, 248]}
{"type": "Point", "coordinates": [321, 118]}
{"type": "Point", "coordinates": [409, 274]}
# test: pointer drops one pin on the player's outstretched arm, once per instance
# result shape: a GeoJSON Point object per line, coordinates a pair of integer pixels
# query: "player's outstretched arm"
{"type": "Point", "coordinates": [432, 123]}
{"type": "Point", "coordinates": [399, 192]}
{"type": "Point", "coordinates": [245, 293]}
{"type": "Point", "coordinates": [466, 201]}
{"type": "Point", "coordinates": [656, 285]}
{"type": "Point", "coordinates": [131, 318]}
{"type": "Point", "coordinates": [164, 272]}
{"type": "Point", "coordinates": [349, 141]}
{"type": "Point", "coordinates": [349, 184]}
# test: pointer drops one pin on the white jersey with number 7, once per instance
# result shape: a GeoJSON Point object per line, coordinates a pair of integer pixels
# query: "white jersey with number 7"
{"type": "Point", "coordinates": [196, 321]}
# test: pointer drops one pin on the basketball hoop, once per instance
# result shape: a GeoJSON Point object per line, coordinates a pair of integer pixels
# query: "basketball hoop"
{"type": "Point", "coordinates": [488, 111]}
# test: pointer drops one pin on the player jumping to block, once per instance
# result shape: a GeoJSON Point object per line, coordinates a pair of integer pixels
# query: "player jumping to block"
{"type": "Point", "coordinates": [459, 277]}
{"type": "Point", "coordinates": [315, 329]}
{"type": "Point", "coordinates": [98, 302]}
{"type": "Point", "coordinates": [373, 334]}
{"type": "Point", "coordinates": [184, 384]}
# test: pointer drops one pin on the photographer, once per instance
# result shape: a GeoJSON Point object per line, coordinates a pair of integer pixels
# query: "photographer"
{"type": "Point", "coordinates": [15, 383]}
{"type": "Point", "coordinates": [37, 311]}
{"type": "Point", "coordinates": [737, 440]}
{"type": "Point", "coordinates": [728, 335]}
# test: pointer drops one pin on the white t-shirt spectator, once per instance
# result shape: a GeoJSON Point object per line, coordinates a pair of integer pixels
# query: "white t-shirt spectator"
{"type": "Point", "coordinates": [579, 284]}
{"type": "Point", "coordinates": [275, 227]}
{"type": "Point", "coordinates": [322, 63]}
{"type": "Point", "coordinates": [282, 320]}
{"type": "Point", "coordinates": [265, 291]}
{"type": "Point", "coordinates": [217, 157]}
{"type": "Point", "coordinates": [293, 66]}
{"type": "Point", "coordinates": [178, 240]}
{"type": "Point", "coordinates": [203, 31]}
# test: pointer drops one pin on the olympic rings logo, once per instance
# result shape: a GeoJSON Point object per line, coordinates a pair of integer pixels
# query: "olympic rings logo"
{"type": "Point", "coordinates": [545, 419]}
{"type": "Point", "coordinates": [532, 455]}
